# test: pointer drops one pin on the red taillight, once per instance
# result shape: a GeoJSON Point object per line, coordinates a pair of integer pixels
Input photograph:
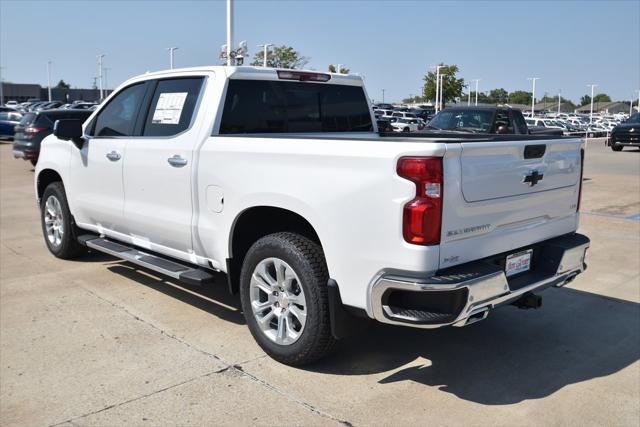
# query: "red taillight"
{"type": "Point", "coordinates": [422, 216]}
{"type": "Point", "coordinates": [581, 174]}
{"type": "Point", "coordinates": [303, 76]}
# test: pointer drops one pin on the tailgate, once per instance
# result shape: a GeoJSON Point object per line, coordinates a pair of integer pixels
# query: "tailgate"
{"type": "Point", "coordinates": [503, 195]}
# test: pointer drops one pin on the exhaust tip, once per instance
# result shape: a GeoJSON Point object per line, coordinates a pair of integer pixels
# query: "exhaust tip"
{"type": "Point", "coordinates": [477, 316]}
{"type": "Point", "coordinates": [567, 281]}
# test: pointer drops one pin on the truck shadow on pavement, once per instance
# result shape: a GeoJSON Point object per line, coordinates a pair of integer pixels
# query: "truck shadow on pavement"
{"type": "Point", "coordinates": [214, 300]}
{"type": "Point", "coordinates": [512, 356]}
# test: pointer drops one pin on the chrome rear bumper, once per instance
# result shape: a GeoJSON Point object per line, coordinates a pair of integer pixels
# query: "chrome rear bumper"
{"type": "Point", "coordinates": [466, 293]}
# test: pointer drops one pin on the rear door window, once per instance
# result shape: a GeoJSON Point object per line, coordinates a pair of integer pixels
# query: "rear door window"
{"type": "Point", "coordinates": [172, 107]}
{"type": "Point", "coordinates": [258, 106]}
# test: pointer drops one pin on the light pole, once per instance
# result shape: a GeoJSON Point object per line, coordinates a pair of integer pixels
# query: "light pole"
{"type": "Point", "coordinates": [171, 50]}
{"type": "Point", "coordinates": [437, 67]}
{"type": "Point", "coordinates": [469, 98]}
{"type": "Point", "coordinates": [559, 92]}
{"type": "Point", "coordinates": [383, 95]}
{"type": "Point", "coordinates": [441, 90]}
{"type": "Point", "coordinates": [591, 113]}
{"type": "Point", "coordinates": [229, 31]}
{"type": "Point", "coordinates": [533, 95]}
{"type": "Point", "coordinates": [49, 79]}
{"type": "Point", "coordinates": [265, 50]}
{"type": "Point", "coordinates": [476, 80]}
{"type": "Point", "coordinates": [100, 75]}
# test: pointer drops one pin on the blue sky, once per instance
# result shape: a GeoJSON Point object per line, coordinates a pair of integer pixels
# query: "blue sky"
{"type": "Point", "coordinates": [392, 43]}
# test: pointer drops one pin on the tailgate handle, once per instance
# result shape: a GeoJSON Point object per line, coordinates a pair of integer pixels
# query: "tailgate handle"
{"type": "Point", "coordinates": [534, 151]}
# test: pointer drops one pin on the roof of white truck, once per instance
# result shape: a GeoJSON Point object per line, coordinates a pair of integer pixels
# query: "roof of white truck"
{"type": "Point", "coordinates": [249, 73]}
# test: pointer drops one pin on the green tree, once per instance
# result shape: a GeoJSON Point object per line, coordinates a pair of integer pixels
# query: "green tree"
{"type": "Point", "coordinates": [602, 97]}
{"type": "Point", "coordinates": [343, 69]}
{"type": "Point", "coordinates": [452, 86]}
{"type": "Point", "coordinates": [498, 96]}
{"type": "Point", "coordinates": [586, 99]}
{"type": "Point", "coordinates": [63, 85]}
{"type": "Point", "coordinates": [520, 97]}
{"type": "Point", "coordinates": [281, 57]}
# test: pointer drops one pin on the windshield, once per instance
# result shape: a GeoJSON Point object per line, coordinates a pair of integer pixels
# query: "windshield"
{"type": "Point", "coordinates": [477, 121]}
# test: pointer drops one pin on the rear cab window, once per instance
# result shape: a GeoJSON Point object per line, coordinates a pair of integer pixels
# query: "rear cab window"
{"type": "Point", "coordinates": [263, 106]}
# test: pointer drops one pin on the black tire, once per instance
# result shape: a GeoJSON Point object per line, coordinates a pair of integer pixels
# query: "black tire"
{"type": "Point", "coordinates": [68, 246]}
{"type": "Point", "coordinates": [34, 161]}
{"type": "Point", "coordinates": [307, 261]}
{"type": "Point", "coordinates": [616, 147]}
{"type": "Point", "coordinates": [405, 130]}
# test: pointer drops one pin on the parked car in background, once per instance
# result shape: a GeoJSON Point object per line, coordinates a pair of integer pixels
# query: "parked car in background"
{"type": "Point", "coordinates": [545, 123]}
{"type": "Point", "coordinates": [626, 134]}
{"type": "Point", "coordinates": [8, 122]}
{"type": "Point", "coordinates": [49, 105]}
{"type": "Point", "coordinates": [35, 126]}
{"type": "Point", "coordinates": [491, 120]}
{"type": "Point", "coordinates": [406, 125]}
{"type": "Point", "coordinates": [387, 114]}
{"type": "Point", "coordinates": [384, 125]}
{"type": "Point", "coordinates": [12, 104]}
{"type": "Point", "coordinates": [384, 106]}
{"type": "Point", "coordinates": [404, 115]}
{"type": "Point", "coordinates": [83, 105]}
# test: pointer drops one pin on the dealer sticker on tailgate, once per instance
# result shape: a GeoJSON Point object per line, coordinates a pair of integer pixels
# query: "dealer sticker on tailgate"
{"type": "Point", "coordinates": [518, 262]}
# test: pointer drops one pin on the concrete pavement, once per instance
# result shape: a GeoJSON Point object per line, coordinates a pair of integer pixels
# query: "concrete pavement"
{"type": "Point", "coordinates": [101, 342]}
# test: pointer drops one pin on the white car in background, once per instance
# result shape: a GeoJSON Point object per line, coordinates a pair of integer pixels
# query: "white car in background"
{"type": "Point", "coordinates": [404, 115]}
{"type": "Point", "coordinates": [546, 123]}
{"type": "Point", "coordinates": [406, 125]}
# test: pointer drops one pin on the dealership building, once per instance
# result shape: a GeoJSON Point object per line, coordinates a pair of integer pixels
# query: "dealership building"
{"type": "Point", "coordinates": [22, 92]}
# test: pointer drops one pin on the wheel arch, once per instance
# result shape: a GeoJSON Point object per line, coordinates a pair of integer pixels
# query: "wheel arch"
{"type": "Point", "coordinates": [46, 177]}
{"type": "Point", "coordinates": [256, 222]}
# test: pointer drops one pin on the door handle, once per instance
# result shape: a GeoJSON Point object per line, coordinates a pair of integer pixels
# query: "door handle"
{"type": "Point", "coordinates": [177, 161]}
{"type": "Point", "coordinates": [114, 156]}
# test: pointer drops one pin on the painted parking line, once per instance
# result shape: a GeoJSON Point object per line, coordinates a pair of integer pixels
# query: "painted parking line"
{"type": "Point", "coordinates": [633, 217]}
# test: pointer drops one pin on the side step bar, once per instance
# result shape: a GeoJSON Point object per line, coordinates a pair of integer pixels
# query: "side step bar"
{"type": "Point", "coordinates": [185, 273]}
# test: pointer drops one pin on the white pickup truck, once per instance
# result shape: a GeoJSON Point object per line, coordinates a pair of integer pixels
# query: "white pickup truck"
{"type": "Point", "coordinates": [279, 179]}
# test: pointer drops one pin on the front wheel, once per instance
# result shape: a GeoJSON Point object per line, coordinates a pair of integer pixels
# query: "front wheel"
{"type": "Point", "coordinates": [283, 290]}
{"type": "Point", "coordinates": [616, 147]}
{"type": "Point", "coordinates": [57, 224]}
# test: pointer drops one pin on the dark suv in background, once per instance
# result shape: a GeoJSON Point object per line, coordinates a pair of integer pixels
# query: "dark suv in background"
{"type": "Point", "coordinates": [626, 134]}
{"type": "Point", "coordinates": [35, 126]}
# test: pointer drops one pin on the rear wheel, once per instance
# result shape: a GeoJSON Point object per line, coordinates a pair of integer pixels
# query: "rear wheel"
{"type": "Point", "coordinates": [616, 147]}
{"type": "Point", "coordinates": [59, 230]}
{"type": "Point", "coordinates": [283, 289]}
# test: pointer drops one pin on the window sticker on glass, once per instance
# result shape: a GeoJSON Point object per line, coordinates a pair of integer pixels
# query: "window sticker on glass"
{"type": "Point", "coordinates": [169, 108]}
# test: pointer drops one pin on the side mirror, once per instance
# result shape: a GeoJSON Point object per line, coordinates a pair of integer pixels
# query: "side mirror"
{"type": "Point", "coordinates": [69, 130]}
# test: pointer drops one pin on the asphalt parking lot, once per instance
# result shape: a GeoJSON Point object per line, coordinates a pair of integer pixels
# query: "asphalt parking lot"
{"type": "Point", "coordinates": [101, 342]}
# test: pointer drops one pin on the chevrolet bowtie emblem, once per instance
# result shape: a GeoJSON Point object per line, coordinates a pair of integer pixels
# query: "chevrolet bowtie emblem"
{"type": "Point", "coordinates": [532, 178]}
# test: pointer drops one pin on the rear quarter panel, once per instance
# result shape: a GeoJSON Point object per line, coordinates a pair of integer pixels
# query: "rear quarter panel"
{"type": "Point", "coordinates": [347, 189]}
